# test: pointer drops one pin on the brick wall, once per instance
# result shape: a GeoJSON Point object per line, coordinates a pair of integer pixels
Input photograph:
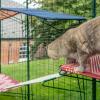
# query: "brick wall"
{"type": "Point", "coordinates": [10, 51]}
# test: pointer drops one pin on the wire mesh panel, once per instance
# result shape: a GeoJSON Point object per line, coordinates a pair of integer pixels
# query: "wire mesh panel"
{"type": "Point", "coordinates": [14, 51]}
{"type": "Point", "coordinates": [24, 41]}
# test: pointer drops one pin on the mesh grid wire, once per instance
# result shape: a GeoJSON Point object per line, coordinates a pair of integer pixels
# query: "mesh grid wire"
{"type": "Point", "coordinates": [14, 53]}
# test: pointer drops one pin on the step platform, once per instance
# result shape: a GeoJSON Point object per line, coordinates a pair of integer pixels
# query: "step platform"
{"type": "Point", "coordinates": [92, 68]}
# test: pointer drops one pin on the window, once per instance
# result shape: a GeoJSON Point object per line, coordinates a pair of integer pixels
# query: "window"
{"type": "Point", "coordinates": [23, 52]}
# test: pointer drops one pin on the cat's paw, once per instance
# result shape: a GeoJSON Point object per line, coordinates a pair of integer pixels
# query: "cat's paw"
{"type": "Point", "coordinates": [79, 69]}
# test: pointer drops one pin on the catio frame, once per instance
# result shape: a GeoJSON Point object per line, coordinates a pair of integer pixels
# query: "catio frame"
{"type": "Point", "coordinates": [27, 93]}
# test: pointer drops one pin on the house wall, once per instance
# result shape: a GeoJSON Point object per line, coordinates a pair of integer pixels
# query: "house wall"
{"type": "Point", "coordinates": [10, 51]}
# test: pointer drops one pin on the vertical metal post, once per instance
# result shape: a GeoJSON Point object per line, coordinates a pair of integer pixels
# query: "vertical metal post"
{"type": "Point", "coordinates": [28, 57]}
{"type": "Point", "coordinates": [0, 40]}
{"type": "Point", "coordinates": [93, 8]}
{"type": "Point", "coordinates": [93, 89]}
{"type": "Point", "coordinates": [93, 80]}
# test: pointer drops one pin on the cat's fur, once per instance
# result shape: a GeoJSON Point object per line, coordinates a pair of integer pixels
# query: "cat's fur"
{"type": "Point", "coordinates": [78, 43]}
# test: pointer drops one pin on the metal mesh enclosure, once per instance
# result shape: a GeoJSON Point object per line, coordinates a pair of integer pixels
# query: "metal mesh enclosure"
{"type": "Point", "coordinates": [24, 40]}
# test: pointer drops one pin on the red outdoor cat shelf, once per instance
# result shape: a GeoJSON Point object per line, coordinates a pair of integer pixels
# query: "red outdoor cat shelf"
{"type": "Point", "coordinates": [92, 69]}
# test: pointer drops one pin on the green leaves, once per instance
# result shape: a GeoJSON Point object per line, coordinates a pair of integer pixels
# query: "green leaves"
{"type": "Point", "coordinates": [47, 31]}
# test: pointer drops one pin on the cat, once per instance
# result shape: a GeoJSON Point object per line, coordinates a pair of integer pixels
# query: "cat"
{"type": "Point", "coordinates": [77, 43]}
